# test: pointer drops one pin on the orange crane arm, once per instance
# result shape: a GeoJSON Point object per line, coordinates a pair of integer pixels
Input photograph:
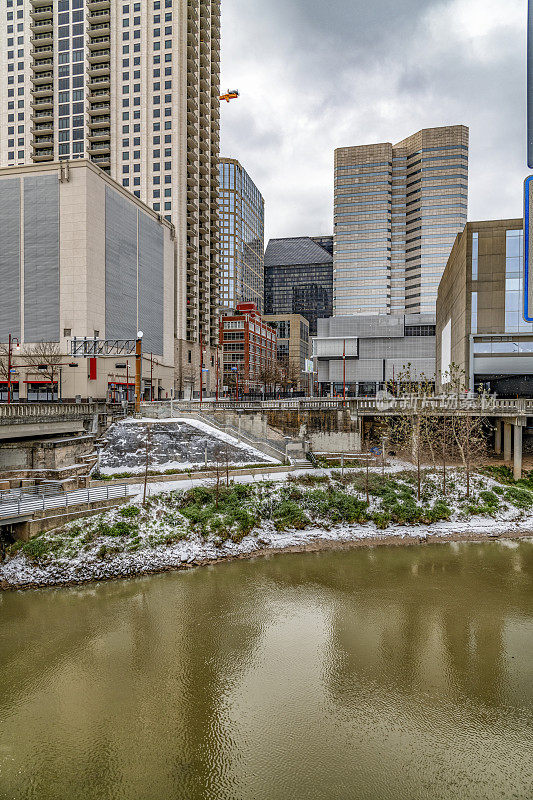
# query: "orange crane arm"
{"type": "Point", "coordinates": [231, 94]}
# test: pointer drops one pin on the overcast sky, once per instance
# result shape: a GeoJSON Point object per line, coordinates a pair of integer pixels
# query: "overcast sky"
{"type": "Point", "coordinates": [319, 74]}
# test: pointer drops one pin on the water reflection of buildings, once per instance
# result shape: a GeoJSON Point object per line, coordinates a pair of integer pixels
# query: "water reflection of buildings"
{"type": "Point", "coordinates": [126, 682]}
{"type": "Point", "coordinates": [433, 627]}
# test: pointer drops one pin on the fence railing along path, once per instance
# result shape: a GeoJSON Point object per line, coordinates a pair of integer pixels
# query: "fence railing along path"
{"type": "Point", "coordinates": [29, 504]}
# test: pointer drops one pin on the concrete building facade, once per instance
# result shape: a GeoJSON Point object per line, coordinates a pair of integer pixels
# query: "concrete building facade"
{"type": "Point", "coordinates": [299, 277]}
{"type": "Point", "coordinates": [82, 257]}
{"type": "Point", "coordinates": [397, 210]}
{"type": "Point", "coordinates": [242, 237]}
{"type": "Point", "coordinates": [133, 87]}
{"type": "Point", "coordinates": [368, 353]}
{"type": "Point", "coordinates": [293, 345]}
{"type": "Point", "coordinates": [480, 328]}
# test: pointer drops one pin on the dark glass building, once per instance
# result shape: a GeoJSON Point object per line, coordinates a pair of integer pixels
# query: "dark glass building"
{"type": "Point", "coordinates": [299, 278]}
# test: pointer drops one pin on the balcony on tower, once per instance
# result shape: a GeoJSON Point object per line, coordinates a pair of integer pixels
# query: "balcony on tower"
{"type": "Point", "coordinates": [44, 25]}
{"type": "Point", "coordinates": [42, 78]}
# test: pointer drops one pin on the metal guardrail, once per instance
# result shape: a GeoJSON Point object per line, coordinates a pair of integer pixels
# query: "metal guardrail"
{"type": "Point", "coordinates": [23, 507]}
{"type": "Point", "coordinates": [45, 489]}
{"type": "Point", "coordinates": [264, 444]}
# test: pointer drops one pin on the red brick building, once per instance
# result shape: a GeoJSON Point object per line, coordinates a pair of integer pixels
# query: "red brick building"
{"type": "Point", "coordinates": [248, 347]}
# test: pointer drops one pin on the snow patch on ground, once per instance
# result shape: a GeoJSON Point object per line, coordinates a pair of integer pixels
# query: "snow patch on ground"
{"type": "Point", "coordinates": [175, 444]}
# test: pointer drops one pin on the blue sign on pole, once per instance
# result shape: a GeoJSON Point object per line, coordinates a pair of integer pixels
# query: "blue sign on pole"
{"type": "Point", "coordinates": [530, 84]}
{"type": "Point", "coordinates": [528, 183]}
{"type": "Point", "coordinates": [528, 249]}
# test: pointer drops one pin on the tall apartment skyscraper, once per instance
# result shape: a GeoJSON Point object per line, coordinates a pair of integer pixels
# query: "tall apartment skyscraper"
{"type": "Point", "coordinates": [132, 86]}
{"type": "Point", "coordinates": [397, 211]}
{"type": "Point", "coordinates": [242, 237]}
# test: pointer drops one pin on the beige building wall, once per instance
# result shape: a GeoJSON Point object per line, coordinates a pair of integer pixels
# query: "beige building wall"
{"type": "Point", "coordinates": [453, 309]}
{"type": "Point", "coordinates": [477, 269]}
{"type": "Point", "coordinates": [298, 342]}
{"type": "Point", "coordinates": [82, 280]}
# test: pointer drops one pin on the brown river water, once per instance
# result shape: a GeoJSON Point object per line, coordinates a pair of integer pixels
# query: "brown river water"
{"type": "Point", "coordinates": [368, 674]}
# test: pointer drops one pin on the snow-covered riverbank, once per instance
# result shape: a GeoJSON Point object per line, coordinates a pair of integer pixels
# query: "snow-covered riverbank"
{"type": "Point", "coordinates": [204, 523]}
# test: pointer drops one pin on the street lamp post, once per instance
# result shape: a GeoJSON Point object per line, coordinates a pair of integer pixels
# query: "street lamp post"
{"type": "Point", "coordinates": [138, 367]}
{"type": "Point", "coordinates": [9, 357]}
{"type": "Point", "coordinates": [201, 365]}
{"type": "Point", "coordinates": [216, 390]}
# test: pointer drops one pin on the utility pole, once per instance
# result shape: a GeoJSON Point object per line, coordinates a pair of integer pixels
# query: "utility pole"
{"type": "Point", "coordinates": [151, 377]}
{"type": "Point", "coordinates": [216, 390]}
{"type": "Point", "coordinates": [9, 357]}
{"type": "Point", "coordinates": [344, 371]}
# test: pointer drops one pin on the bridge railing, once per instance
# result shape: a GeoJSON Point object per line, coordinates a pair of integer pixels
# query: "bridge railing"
{"type": "Point", "coordinates": [18, 508]}
{"type": "Point", "coordinates": [28, 411]}
{"type": "Point", "coordinates": [357, 405]}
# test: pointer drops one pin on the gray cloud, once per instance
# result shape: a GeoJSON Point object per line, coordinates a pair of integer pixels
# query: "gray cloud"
{"type": "Point", "coordinates": [314, 76]}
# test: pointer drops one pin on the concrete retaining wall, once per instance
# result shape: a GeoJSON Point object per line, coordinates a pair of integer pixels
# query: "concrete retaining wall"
{"type": "Point", "coordinates": [47, 454]}
{"type": "Point", "coordinates": [48, 520]}
{"type": "Point", "coordinates": [332, 442]}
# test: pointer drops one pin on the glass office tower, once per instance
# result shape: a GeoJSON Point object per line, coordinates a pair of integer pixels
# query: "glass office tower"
{"type": "Point", "coordinates": [299, 278]}
{"type": "Point", "coordinates": [242, 239]}
{"type": "Point", "coordinates": [397, 211]}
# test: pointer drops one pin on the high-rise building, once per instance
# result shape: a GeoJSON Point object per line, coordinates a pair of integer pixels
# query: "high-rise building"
{"type": "Point", "coordinates": [133, 86]}
{"type": "Point", "coordinates": [480, 327]}
{"type": "Point", "coordinates": [397, 211]}
{"type": "Point", "coordinates": [299, 278]}
{"type": "Point", "coordinates": [242, 237]}
{"type": "Point", "coordinates": [248, 348]}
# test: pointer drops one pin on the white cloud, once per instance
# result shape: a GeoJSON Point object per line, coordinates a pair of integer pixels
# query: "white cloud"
{"type": "Point", "coordinates": [315, 76]}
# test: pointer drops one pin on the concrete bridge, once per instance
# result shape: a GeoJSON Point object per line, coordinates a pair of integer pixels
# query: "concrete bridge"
{"type": "Point", "coordinates": [357, 406]}
{"type": "Point", "coordinates": [50, 435]}
{"type": "Point", "coordinates": [26, 420]}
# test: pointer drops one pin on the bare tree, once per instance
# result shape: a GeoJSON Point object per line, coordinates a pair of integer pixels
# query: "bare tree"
{"type": "Point", "coordinates": [46, 357]}
{"type": "Point", "coordinates": [291, 375]}
{"type": "Point", "coordinates": [4, 360]}
{"type": "Point", "coordinates": [147, 443]}
{"type": "Point", "coordinates": [467, 425]}
{"type": "Point", "coordinates": [186, 377]}
{"type": "Point", "coordinates": [267, 376]}
{"type": "Point", "coordinates": [412, 427]}
{"type": "Point", "coordinates": [219, 470]}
